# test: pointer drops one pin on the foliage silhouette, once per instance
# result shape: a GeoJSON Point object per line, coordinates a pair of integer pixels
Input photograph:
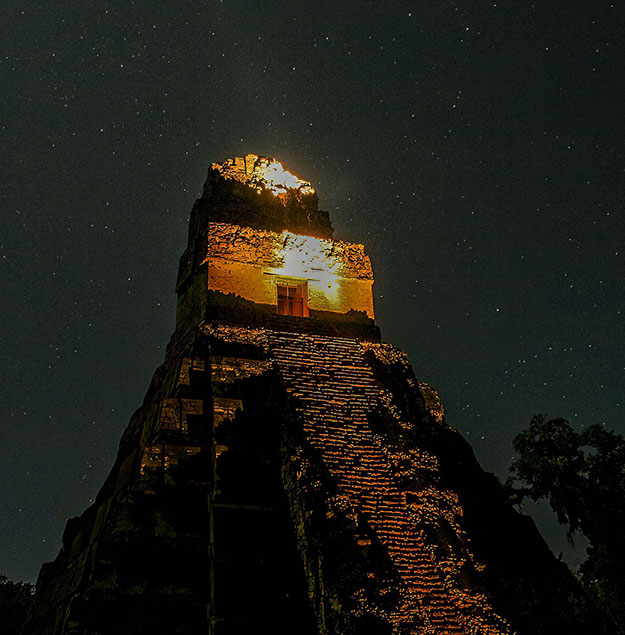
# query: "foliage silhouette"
{"type": "Point", "coordinates": [582, 475]}
{"type": "Point", "coordinates": [15, 599]}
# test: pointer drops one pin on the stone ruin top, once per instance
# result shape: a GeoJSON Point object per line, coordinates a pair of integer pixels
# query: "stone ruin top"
{"type": "Point", "coordinates": [262, 173]}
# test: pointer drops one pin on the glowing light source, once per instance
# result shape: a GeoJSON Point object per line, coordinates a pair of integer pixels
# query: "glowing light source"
{"type": "Point", "coordinates": [278, 180]}
{"type": "Point", "coordinates": [262, 173]}
{"type": "Point", "coordinates": [309, 258]}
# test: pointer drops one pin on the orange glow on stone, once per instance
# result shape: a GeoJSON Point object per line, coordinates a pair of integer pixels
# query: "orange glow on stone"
{"type": "Point", "coordinates": [262, 173]}
{"type": "Point", "coordinates": [249, 263]}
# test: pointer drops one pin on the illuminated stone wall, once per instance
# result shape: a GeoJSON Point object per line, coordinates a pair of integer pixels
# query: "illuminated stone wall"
{"type": "Point", "coordinates": [250, 263]}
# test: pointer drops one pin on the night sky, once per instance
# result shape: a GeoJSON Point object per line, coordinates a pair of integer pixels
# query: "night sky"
{"type": "Point", "coordinates": [476, 148]}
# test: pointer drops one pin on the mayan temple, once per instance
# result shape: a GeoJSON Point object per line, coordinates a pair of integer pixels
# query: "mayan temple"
{"type": "Point", "coordinates": [287, 472]}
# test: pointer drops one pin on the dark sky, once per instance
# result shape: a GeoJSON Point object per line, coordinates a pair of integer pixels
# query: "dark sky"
{"type": "Point", "coordinates": [476, 148]}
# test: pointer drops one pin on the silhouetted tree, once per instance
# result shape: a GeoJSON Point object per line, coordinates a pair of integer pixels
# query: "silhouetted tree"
{"type": "Point", "coordinates": [15, 598]}
{"type": "Point", "coordinates": [582, 475]}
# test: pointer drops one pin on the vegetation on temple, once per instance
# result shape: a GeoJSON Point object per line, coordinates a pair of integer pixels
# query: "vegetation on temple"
{"type": "Point", "coordinates": [582, 475]}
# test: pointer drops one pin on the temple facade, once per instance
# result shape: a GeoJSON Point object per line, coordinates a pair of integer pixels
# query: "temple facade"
{"type": "Point", "coordinates": [287, 472]}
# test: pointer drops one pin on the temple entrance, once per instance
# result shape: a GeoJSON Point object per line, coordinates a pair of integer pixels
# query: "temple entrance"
{"type": "Point", "coordinates": [292, 299]}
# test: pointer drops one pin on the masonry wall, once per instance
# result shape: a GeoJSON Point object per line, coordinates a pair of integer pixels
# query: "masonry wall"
{"type": "Point", "coordinates": [260, 285]}
{"type": "Point", "coordinates": [250, 263]}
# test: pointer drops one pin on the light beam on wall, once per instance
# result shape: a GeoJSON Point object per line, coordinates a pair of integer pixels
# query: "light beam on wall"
{"type": "Point", "coordinates": [309, 258]}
